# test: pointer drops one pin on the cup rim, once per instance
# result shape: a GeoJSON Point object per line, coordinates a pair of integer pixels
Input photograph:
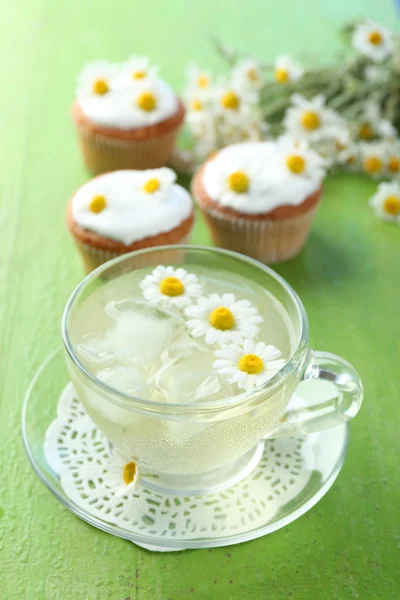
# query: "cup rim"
{"type": "Point", "coordinates": [130, 402]}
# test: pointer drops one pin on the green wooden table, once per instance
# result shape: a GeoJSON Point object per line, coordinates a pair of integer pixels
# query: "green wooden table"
{"type": "Point", "coordinates": [348, 277]}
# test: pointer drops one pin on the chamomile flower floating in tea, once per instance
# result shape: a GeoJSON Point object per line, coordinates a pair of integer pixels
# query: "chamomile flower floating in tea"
{"type": "Point", "coordinates": [286, 70]}
{"type": "Point", "coordinates": [386, 202]}
{"type": "Point", "coordinates": [248, 365]}
{"type": "Point", "coordinates": [222, 319]}
{"type": "Point", "coordinates": [373, 41]}
{"type": "Point", "coordinates": [171, 287]}
{"type": "Point", "coordinates": [97, 79]}
{"type": "Point", "coordinates": [121, 476]}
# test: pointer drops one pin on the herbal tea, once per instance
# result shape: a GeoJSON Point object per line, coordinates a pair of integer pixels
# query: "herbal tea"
{"type": "Point", "coordinates": [166, 335]}
{"type": "Point", "coordinates": [190, 337]}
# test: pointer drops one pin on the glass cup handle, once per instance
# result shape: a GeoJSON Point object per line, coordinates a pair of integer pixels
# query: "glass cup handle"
{"type": "Point", "coordinates": [327, 413]}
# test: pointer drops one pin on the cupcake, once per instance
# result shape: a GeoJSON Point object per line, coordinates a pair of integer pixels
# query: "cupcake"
{"type": "Point", "coordinates": [126, 116]}
{"type": "Point", "coordinates": [260, 198]}
{"type": "Point", "coordinates": [123, 211]}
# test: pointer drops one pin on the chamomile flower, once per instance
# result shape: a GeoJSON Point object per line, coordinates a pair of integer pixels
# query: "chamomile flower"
{"type": "Point", "coordinates": [286, 70]}
{"type": "Point", "coordinates": [249, 365]}
{"type": "Point", "coordinates": [310, 119]}
{"type": "Point", "coordinates": [248, 74]}
{"type": "Point", "coordinates": [372, 124]}
{"type": "Point", "coordinates": [222, 319]}
{"type": "Point", "coordinates": [152, 99]}
{"type": "Point", "coordinates": [235, 178]}
{"type": "Point", "coordinates": [347, 151]}
{"type": "Point", "coordinates": [297, 159]}
{"type": "Point", "coordinates": [170, 287]}
{"type": "Point", "coordinates": [392, 160]}
{"type": "Point", "coordinates": [155, 183]}
{"type": "Point", "coordinates": [373, 40]}
{"type": "Point", "coordinates": [386, 202]}
{"type": "Point", "coordinates": [96, 79]}
{"type": "Point", "coordinates": [232, 100]}
{"type": "Point", "coordinates": [137, 69]}
{"type": "Point", "coordinates": [198, 79]}
{"type": "Point", "coordinates": [122, 476]}
{"type": "Point", "coordinates": [373, 158]}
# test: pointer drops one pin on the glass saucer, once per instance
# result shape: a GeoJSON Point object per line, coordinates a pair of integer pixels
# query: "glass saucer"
{"type": "Point", "coordinates": [69, 454]}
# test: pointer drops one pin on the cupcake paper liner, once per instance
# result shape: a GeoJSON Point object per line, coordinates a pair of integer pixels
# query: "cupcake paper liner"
{"type": "Point", "coordinates": [94, 257]}
{"type": "Point", "coordinates": [268, 241]}
{"type": "Point", "coordinates": [102, 153]}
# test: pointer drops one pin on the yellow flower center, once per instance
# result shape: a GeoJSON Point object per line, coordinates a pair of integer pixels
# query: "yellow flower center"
{"type": "Point", "coordinates": [251, 364]}
{"type": "Point", "coordinates": [196, 105]}
{"type": "Point", "coordinates": [295, 163]}
{"type": "Point", "coordinates": [222, 318]}
{"type": "Point", "coordinates": [366, 132]}
{"type": "Point", "coordinates": [129, 472]}
{"type": "Point", "coordinates": [202, 81]}
{"type": "Point", "coordinates": [151, 185]}
{"type": "Point", "coordinates": [230, 100]}
{"type": "Point", "coordinates": [252, 74]}
{"type": "Point", "coordinates": [97, 204]}
{"type": "Point", "coordinates": [138, 74]}
{"type": "Point", "coordinates": [351, 160]}
{"type": "Point", "coordinates": [238, 181]}
{"type": "Point", "coordinates": [375, 38]}
{"type": "Point", "coordinates": [394, 164]}
{"type": "Point", "coordinates": [391, 206]}
{"type": "Point", "coordinates": [146, 101]}
{"type": "Point", "coordinates": [281, 75]}
{"type": "Point", "coordinates": [372, 164]}
{"type": "Point", "coordinates": [172, 286]}
{"type": "Point", "coordinates": [100, 87]}
{"type": "Point", "coordinates": [310, 120]}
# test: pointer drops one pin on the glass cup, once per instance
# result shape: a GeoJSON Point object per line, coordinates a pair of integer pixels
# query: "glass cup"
{"type": "Point", "coordinates": [205, 446]}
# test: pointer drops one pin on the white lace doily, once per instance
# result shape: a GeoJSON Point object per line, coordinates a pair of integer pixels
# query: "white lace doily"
{"type": "Point", "coordinates": [79, 453]}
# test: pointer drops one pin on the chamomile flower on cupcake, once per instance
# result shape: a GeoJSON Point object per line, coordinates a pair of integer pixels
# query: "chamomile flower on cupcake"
{"type": "Point", "coordinates": [248, 74]}
{"type": "Point", "coordinates": [137, 69]}
{"type": "Point", "coordinates": [171, 287]}
{"type": "Point", "coordinates": [126, 116]}
{"type": "Point", "coordinates": [249, 365]}
{"type": "Point", "coordinates": [373, 41]}
{"type": "Point", "coordinates": [97, 79]}
{"type": "Point", "coordinates": [386, 202]}
{"type": "Point", "coordinates": [122, 211]}
{"type": "Point", "coordinates": [222, 319]}
{"type": "Point", "coordinates": [287, 70]}
{"type": "Point", "coordinates": [373, 157]}
{"type": "Point", "coordinates": [310, 119]}
{"type": "Point", "coordinates": [260, 198]}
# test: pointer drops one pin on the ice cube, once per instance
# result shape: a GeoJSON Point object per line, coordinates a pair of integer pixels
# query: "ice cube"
{"type": "Point", "coordinates": [130, 380]}
{"type": "Point", "coordinates": [142, 329]}
{"type": "Point", "coordinates": [94, 355]}
{"type": "Point", "coordinates": [187, 375]}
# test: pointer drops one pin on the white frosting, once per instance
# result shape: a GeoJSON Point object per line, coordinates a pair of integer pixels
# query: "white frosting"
{"type": "Point", "coordinates": [130, 214]}
{"type": "Point", "coordinates": [118, 107]}
{"type": "Point", "coordinates": [272, 184]}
